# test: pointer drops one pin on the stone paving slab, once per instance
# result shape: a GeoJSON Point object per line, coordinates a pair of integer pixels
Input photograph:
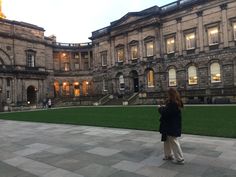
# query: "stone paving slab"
{"type": "Point", "coordinates": [54, 150]}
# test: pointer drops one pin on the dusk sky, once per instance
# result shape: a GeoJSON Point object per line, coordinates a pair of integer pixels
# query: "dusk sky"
{"type": "Point", "coordinates": [73, 20]}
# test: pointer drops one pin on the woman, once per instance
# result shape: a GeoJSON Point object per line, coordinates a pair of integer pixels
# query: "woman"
{"type": "Point", "coordinates": [170, 127]}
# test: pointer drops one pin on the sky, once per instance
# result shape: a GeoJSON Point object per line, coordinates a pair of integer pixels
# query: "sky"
{"type": "Point", "coordinates": [73, 21]}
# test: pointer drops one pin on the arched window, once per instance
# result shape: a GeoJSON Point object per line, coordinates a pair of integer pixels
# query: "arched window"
{"type": "Point", "coordinates": [122, 82]}
{"type": "Point", "coordinates": [215, 73]}
{"type": "Point", "coordinates": [172, 77]}
{"type": "Point", "coordinates": [66, 88]}
{"type": "Point", "coordinates": [76, 89]}
{"type": "Point", "coordinates": [56, 88]}
{"type": "Point", "coordinates": [192, 75]}
{"type": "Point", "coordinates": [150, 78]}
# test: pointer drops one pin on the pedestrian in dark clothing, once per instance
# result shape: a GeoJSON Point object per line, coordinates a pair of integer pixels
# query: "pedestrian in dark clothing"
{"type": "Point", "coordinates": [171, 126]}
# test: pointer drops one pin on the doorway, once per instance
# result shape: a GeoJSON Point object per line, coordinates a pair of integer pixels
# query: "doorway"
{"type": "Point", "coordinates": [31, 95]}
{"type": "Point", "coordinates": [134, 76]}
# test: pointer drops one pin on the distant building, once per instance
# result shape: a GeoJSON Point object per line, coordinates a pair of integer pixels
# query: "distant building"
{"type": "Point", "coordinates": [188, 44]}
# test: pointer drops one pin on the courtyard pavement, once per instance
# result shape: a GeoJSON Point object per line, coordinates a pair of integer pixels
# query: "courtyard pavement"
{"type": "Point", "coordinates": [53, 150]}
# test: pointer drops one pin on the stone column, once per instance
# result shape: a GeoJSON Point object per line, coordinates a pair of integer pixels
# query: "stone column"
{"type": "Point", "coordinates": [200, 31]}
{"type": "Point", "coordinates": [14, 90]}
{"type": "Point", "coordinates": [126, 49]}
{"type": "Point", "coordinates": [80, 61]}
{"type": "Point", "coordinates": [112, 44]}
{"type": "Point", "coordinates": [179, 36]}
{"type": "Point", "coordinates": [158, 41]}
{"type": "Point", "coordinates": [225, 25]}
{"type": "Point", "coordinates": [140, 42]}
{"type": "Point", "coordinates": [89, 58]}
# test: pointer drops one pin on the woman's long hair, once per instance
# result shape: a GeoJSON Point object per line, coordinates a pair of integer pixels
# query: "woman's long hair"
{"type": "Point", "coordinates": [173, 96]}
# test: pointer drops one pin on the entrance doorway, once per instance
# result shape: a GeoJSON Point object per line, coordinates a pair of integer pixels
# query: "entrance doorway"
{"type": "Point", "coordinates": [134, 76]}
{"type": "Point", "coordinates": [31, 95]}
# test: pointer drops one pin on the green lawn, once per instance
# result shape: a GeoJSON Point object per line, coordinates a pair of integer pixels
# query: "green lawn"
{"type": "Point", "coordinates": [211, 121]}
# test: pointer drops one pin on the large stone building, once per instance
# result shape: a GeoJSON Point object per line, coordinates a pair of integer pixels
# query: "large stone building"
{"type": "Point", "coordinates": [188, 44]}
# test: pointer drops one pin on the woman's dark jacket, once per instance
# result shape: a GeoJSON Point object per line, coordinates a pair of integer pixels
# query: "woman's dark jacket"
{"type": "Point", "coordinates": [171, 120]}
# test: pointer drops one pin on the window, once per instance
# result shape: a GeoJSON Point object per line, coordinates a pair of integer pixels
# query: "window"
{"type": "Point", "coordinates": [172, 77]}
{"type": "Point", "coordinates": [215, 73]}
{"type": "Point", "coordinates": [122, 82]}
{"type": "Point", "coordinates": [30, 58]}
{"type": "Point", "coordinates": [8, 94]}
{"type": "Point", "coordinates": [234, 28]}
{"type": "Point", "coordinates": [76, 89]}
{"type": "Point", "coordinates": [190, 41]}
{"type": "Point", "coordinates": [192, 75]}
{"type": "Point", "coordinates": [8, 82]}
{"type": "Point", "coordinates": [213, 36]}
{"type": "Point", "coordinates": [66, 67]}
{"type": "Point", "coordinates": [76, 55]}
{"type": "Point", "coordinates": [150, 78]}
{"type": "Point", "coordinates": [66, 88]}
{"type": "Point", "coordinates": [120, 55]}
{"type": "Point", "coordinates": [170, 45]}
{"type": "Point", "coordinates": [149, 49]}
{"type": "Point", "coordinates": [104, 58]}
{"type": "Point", "coordinates": [134, 52]}
{"type": "Point", "coordinates": [105, 85]}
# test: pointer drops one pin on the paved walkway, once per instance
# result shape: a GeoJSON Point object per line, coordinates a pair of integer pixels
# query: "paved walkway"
{"type": "Point", "coordinates": [52, 150]}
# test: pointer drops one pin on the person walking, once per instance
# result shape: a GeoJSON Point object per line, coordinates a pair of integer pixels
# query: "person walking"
{"type": "Point", "coordinates": [171, 127]}
{"type": "Point", "coordinates": [49, 103]}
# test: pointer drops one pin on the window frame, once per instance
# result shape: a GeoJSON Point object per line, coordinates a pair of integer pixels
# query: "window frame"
{"type": "Point", "coordinates": [234, 31]}
{"type": "Point", "coordinates": [121, 82]}
{"type": "Point", "coordinates": [210, 40]}
{"type": "Point", "coordinates": [66, 66]}
{"type": "Point", "coordinates": [148, 53]}
{"type": "Point", "coordinates": [167, 45]}
{"type": "Point", "coordinates": [174, 79]}
{"type": "Point", "coordinates": [105, 85]}
{"type": "Point", "coordinates": [30, 58]}
{"type": "Point", "coordinates": [195, 78]}
{"type": "Point", "coordinates": [131, 51]}
{"type": "Point", "coordinates": [212, 75]}
{"type": "Point", "coordinates": [150, 78]}
{"type": "Point", "coordinates": [186, 43]}
{"type": "Point", "coordinates": [120, 48]}
{"type": "Point", "coordinates": [103, 57]}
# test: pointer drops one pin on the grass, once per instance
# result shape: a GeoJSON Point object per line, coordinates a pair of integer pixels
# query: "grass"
{"type": "Point", "coordinates": [201, 120]}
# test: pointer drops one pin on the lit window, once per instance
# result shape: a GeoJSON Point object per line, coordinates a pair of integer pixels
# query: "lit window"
{"type": "Point", "coordinates": [172, 77]}
{"type": "Point", "coordinates": [234, 31]}
{"type": "Point", "coordinates": [215, 73]}
{"type": "Point", "coordinates": [56, 88]}
{"type": "Point", "coordinates": [76, 89]}
{"type": "Point", "coordinates": [170, 45]}
{"type": "Point", "coordinates": [150, 78]}
{"type": "Point", "coordinates": [213, 36]}
{"type": "Point", "coordinates": [149, 49]}
{"type": "Point", "coordinates": [30, 58]}
{"type": "Point", "coordinates": [66, 88]}
{"type": "Point", "coordinates": [66, 67]}
{"type": "Point", "coordinates": [104, 58]}
{"type": "Point", "coordinates": [192, 75]}
{"type": "Point", "coordinates": [134, 52]}
{"type": "Point", "coordinates": [105, 85]}
{"type": "Point", "coordinates": [120, 55]}
{"type": "Point", "coordinates": [190, 41]}
{"type": "Point", "coordinates": [122, 82]}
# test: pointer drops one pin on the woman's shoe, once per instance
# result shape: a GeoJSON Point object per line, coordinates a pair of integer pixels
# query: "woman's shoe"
{"type": "Point", "coordinates": [178, 162]}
